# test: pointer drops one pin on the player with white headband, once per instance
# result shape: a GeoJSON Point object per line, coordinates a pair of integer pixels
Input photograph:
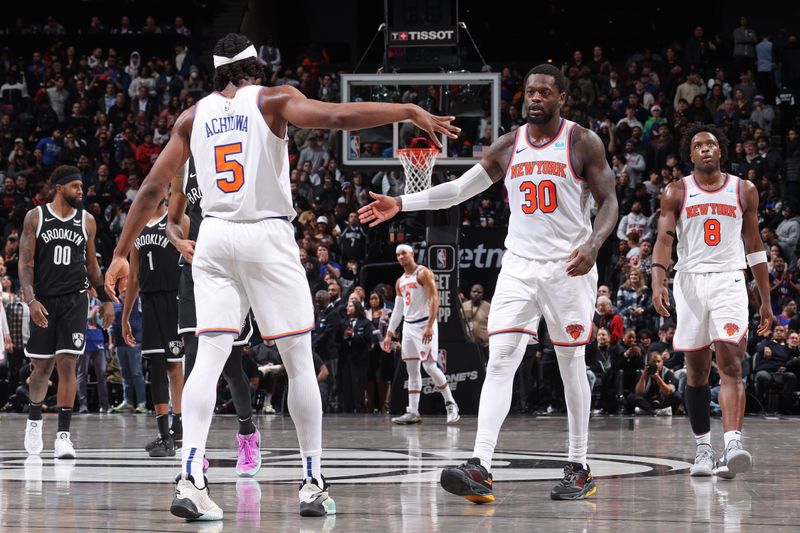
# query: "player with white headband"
{"type": "Point", "coordinates": [417, 304]}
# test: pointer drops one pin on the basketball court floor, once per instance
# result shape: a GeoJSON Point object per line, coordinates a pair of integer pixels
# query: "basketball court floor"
{"type": "Point", "coordinates": [384, 478]}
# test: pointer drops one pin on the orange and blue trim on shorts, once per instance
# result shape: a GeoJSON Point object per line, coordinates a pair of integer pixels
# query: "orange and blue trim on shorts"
{"type": "Point", "coordinates": [287, 334]}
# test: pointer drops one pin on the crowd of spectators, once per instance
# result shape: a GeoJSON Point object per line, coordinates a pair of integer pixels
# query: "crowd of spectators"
{"type": "Point", "coordinates": [109, 112]}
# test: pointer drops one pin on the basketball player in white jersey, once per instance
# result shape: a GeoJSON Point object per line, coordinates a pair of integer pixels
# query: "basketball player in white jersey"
{"type": "Point", "coordinates": [246, 255]}
{"type": "Point", "coordinates": [417, 304]}
{"type": "Point", "coordinates": [714, 218]}
{"type": "Point", "coordinates": [551, 167]}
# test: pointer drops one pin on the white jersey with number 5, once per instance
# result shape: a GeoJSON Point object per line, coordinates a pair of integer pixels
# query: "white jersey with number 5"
{"type": "Point", "coordinates": [709, 228]}
{"type": "Point", "coordinates": [415, 301]}
{"type": "Point", "coordinates": [550, 204]}
{"type": "Point", "coordinates": [242, 166]}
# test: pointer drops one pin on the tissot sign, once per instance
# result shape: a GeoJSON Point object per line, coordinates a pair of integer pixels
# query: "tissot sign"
{"type": "Point", "coordinates": [423, 37]}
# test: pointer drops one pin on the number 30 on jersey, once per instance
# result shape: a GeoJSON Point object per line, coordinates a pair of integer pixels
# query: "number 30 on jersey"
{"type": "Point", "coordinates": [235, 180]}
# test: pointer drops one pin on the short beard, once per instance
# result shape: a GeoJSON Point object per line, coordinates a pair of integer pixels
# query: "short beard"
{"type": "Point", "coordinates": [72, 201]}
{"type": "Point", "coordinates": [541, 119]}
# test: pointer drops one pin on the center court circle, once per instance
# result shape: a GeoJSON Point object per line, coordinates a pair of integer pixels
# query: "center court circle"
{"type": "Point", "coordinates": [340, 465]}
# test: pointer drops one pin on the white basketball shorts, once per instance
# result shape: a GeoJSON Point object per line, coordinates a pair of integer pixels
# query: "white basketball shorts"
{"type": "Point", "coordinates": [529, 290]}
{"type": "Point", "coordinates": [238, 265]}
{"type": "Point", "coordinates": [412, 345]}
{"type": "Point", "coordinates": [710, 307]}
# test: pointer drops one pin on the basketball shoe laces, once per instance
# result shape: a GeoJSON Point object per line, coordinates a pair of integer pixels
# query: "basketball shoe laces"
{"type": "Point", "coordinates": [244, 447]}
{"type": "Point", "coordinates": [569, 474]}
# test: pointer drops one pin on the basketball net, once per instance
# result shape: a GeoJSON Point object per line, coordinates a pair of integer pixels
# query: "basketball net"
{"type": "Point", "coordinates": [418, 161]}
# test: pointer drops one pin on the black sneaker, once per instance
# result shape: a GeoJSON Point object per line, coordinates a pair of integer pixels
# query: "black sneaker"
{"type": "Point", "coordinates": [152, 444]}
{"type": "Point", "coordinates": [178, 438]}
{"type": "Point", "coordinates": [470, 480]}
{"type": "Point", "coordinates": [163, 448]}
{"type": "Point", "coordinates": [577, 484]}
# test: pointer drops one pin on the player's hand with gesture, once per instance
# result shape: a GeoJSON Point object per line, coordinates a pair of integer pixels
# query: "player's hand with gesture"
{"type": "Point", "coordinates": [661, 300]}
{"type": "Point", "coordinates": [38, 313]}
{"type": "Point", "coordinates": [382, 209]}
{"type": "Point", "coordinates": [386, 345]}
{"type": "Point", "coordinates": [117, 271]}
{"type": "Point", "coordinates": [432, 125]}
{"type": "Point", "coordinates": [765, 324]}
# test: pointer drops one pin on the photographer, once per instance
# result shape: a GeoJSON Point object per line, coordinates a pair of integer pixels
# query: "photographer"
{"type": "Point", "coordinates": [656, 391]}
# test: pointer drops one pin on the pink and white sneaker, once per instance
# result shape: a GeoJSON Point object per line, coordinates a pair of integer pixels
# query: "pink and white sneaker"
{"type": "Point", "coordinates": [249, 462]}
{"type": "Point", "coordinates": [205, 464]}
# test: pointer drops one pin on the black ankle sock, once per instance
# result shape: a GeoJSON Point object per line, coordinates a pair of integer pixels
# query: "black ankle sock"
{"type": "Point", "coordinates": [698, 400]}
{"type": "Point", "coordinates": [34, 411]}
{"type": "Point", "coordinates": [246, 426]}
{"type": "Point", "coordinates": [177, 424]}
{"type": "Point", "coordinates": [163, 425]}
{"type": "Point", "coordinates": [64, 418]}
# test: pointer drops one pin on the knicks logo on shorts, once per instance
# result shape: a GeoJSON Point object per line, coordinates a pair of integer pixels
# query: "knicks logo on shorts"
{"type": "Point", "coordinates": [574, 330]}
{"type": "Point", "coordinates": [731, 329]}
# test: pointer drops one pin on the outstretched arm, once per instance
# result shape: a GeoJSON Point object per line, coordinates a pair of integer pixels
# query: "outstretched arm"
{"type": "Point", "coordinates": [153, 189]}
{"type": "Point", "coordinates": [671, 201]}
{"type": "Point", "coordinates": [591, 162]}
{"type": "Point", "coordinates": [475, 180]}
{"type": "Point", "coordinates": [756, 256]}
{"type": "Point", "coordinates": [286, 104]}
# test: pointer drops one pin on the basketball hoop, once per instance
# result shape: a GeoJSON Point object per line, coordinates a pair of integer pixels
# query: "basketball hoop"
{"type": "Point", "coordinates": [418, 161]}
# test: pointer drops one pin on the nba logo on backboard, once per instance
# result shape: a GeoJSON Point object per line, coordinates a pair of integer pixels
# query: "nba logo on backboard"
{"type": "Point", "coordinates": [442, 257]}
{"type": "Point", "coordinates": [354, 146]}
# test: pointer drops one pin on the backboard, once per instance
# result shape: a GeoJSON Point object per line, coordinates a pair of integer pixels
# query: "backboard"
{"type": "Point", "coordinates": [473, 98]}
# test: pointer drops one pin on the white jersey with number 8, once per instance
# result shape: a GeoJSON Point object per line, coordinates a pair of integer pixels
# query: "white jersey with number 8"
{"type": "Point", "coordinates": [709, 228]}
{"type": "Point", "coordinates": [242, 166]}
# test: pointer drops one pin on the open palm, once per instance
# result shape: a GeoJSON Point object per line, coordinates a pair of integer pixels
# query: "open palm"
{"type": "Point", "coordinates": [381, 210]}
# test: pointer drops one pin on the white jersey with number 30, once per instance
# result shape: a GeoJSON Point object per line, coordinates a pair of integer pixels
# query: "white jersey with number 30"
{"type": "Point", "coordinates": [242, 166]}
{"type": "Point", "coordinates": [550, 204]}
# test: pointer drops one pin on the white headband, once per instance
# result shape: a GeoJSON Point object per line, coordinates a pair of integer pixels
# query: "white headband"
{"type": "Point", "coordinates": [403, 248]}
{"type": "Point", "coordinates": [250, 51]}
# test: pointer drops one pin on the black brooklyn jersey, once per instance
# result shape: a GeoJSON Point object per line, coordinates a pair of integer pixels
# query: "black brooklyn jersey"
{"type": "Point", "coordinates": [59, 266]}
{"type": "Point", "coordinates": [158, 259]}
{"type": "Point", "coordinates": [193, 197]}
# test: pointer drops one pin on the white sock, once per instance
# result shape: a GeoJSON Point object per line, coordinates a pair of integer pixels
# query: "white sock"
{"type": "Point", "coordinates": [729, 436]}
{"type": "Point", "coordinates": [439, 379]}
{"type": "Point", "coordinates": [312, 468]}
{"type": "Point", "coordinates": [579, 399]}
{"type": "Point", "coordinates": [199, 397]}
{"type": "Point", "coordinates": [304, 401]}
{"type": "Point", "coordinates": [414, 384]}
{"type": "Point", "coordinates": [505, 353]}
{"type": "Point", "coordinates": [268, 399]}
{"type": "Point", "coordinates": [705, 438]}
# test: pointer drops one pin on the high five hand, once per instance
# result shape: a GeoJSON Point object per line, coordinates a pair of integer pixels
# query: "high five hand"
{"type": "Point", "coordinates": [381, 210]}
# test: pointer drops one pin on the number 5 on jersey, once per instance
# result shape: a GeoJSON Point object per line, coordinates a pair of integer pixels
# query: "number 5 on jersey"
{"type": "Point", "coordinates": [233, 182]}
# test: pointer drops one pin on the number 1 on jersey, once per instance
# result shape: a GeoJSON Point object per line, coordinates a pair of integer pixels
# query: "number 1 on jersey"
{"type": "Point", "coordinates": [150, 259]}
{"type": "Point", "coordinates": [235, 181]}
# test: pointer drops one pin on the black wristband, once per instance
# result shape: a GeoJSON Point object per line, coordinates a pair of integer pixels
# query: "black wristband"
{"type": "Point", "coordinates": [101, 294]}
{"type": "Point", "coordinates": [659, 265]}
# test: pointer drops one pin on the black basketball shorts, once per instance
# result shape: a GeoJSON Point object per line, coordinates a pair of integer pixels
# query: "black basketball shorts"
{"type": "Point", "coordinates": [66, 326]}
{"type": "Point", "coordinates": [160, 326]}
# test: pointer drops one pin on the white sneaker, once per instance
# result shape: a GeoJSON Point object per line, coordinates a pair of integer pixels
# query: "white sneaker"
{"type": "Point", "coordinates": [411, 417]}
{"type": "Point", "coordinates": [452, 412]}
{"type": "Point", "coordinates": [33, 436]}
{"type": "Point", "coordinates": [703, 461]}
{"type": "Point", "coordinates": [638, 411]}
{"type": "Point", "coordinates": [192, 503]}
{"type": "Point", "coordinates": [314, 499]}
{"type": "Point", "coordinates": [666, 411]}
{"type": "Point", "coordinates": [63, 446]}
{"type": "Point", "coordinates": [268, 409]}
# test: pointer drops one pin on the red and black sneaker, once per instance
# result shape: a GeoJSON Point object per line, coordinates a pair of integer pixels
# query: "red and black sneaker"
{"type": "Point", "coordinates": [577, 484]}
{"type": "Point", "coordinates": [470, 480]}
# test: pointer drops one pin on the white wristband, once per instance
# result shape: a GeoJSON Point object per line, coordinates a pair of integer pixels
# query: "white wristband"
{"type": "Point", "coordinates": [756, 258]}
